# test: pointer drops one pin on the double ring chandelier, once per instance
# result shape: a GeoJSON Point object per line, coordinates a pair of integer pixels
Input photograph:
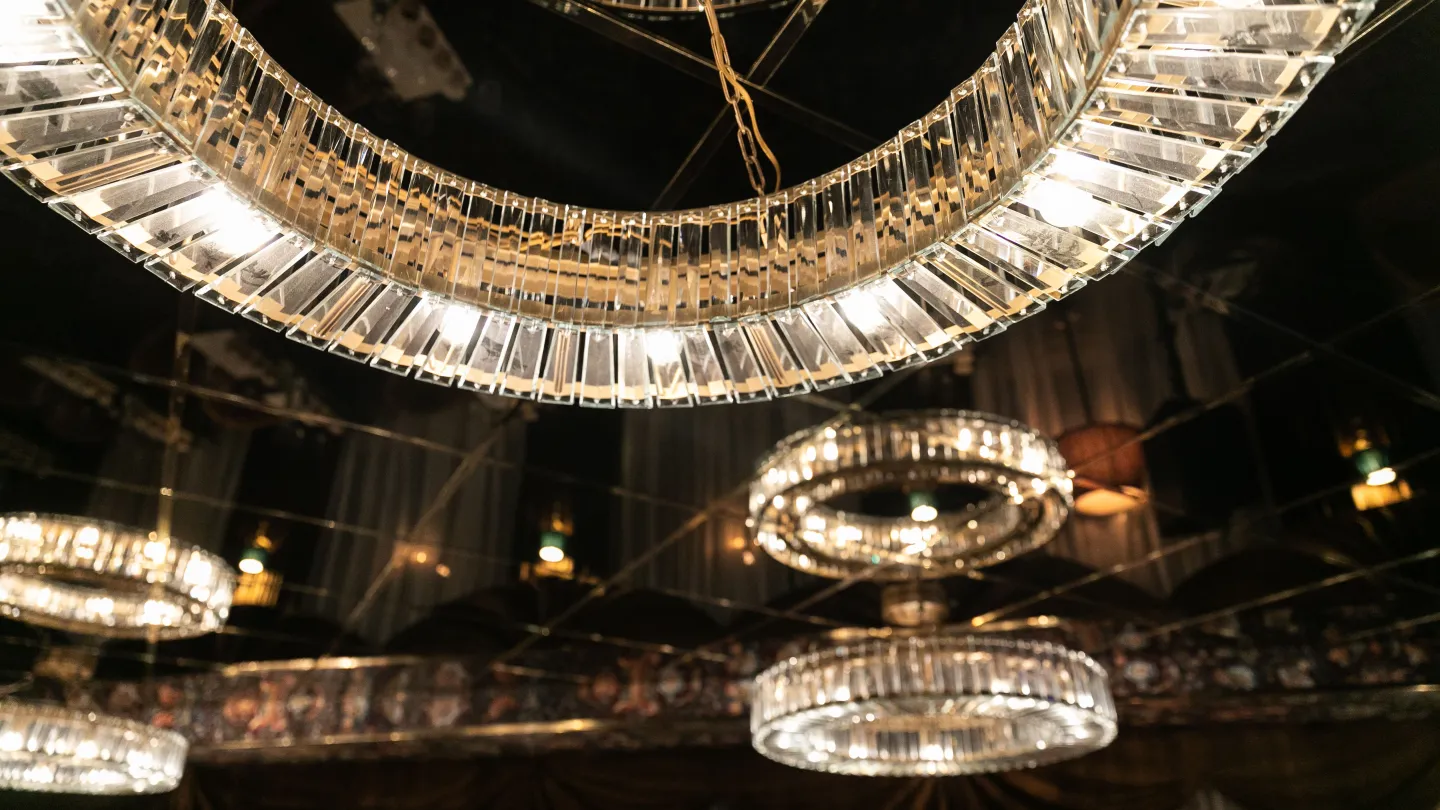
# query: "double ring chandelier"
{"type": "Point", "coordinates": [1025, 478]}
{"type": "Point", "coordinates": [924, 700]}
{"type": "Point", "coordinates": [162, 127]}
{"type": "Point", "coordinates": [99, 579]}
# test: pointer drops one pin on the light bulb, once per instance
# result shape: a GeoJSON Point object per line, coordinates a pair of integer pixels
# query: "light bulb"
{"type": "Point", "coordinates": [552, 554]}
{"type": "Point", "coordinates": [1061, 205]}
{"type": "Point", "coordinates": [924, 513]}
{"type": "Point", "coordinates": [251, 566]}
{"type": "Point", "coordinates": [1381, 477]}
{"type": "Point", "coordinates": [459, 324]}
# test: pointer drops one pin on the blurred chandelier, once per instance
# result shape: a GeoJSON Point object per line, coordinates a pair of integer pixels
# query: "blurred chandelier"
{"type": "Point", "coordinates": [653, 7]}
{"type": "Point", "coordinates": [924, 700]}
{"type": "Point", "coordinates": [96, 578]}
{"type": "Point", "coordinates": [162, 127]}
{"type": "Point", "coordinates": [52, 749]}
{"type": "Point", "coordinates": [1027, 483]}
{"type": "Point", "coordinates": [931, 704]}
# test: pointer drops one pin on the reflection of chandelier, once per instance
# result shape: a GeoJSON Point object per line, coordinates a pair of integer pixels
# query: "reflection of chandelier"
{"type": "Point", "coordinates": [931, 705]}
{"type": "Point", "coordinates": [920, 701]}
{"type": "Point", "coordinates": [57, 750]}
{"type": "Point", "coordinates": [92, 577]}
{"type": "Point", "coordinates": [1026, 479]}
{"type": "Point", "coordinates": [163, 128]}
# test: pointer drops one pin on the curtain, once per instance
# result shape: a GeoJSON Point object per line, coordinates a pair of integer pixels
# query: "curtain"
{"type": "Point", "coordinates": [1027, 374]}
{"type": "Point", "coordinates": [692, 457]}
{"type": "Point", "coordinates": [211, 468]}
{"type": "Point", "coordinates": [385, 486]}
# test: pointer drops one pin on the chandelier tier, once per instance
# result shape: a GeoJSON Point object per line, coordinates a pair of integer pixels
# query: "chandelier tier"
{"type": "Point", "coordinates": [92, 577]}
{"type": "Point", "coordinates": [932, 705]}
{"type": "Point", "coordinates": [1027, 480]}
{"type": "Point", "coordinates": [654, 7]}
{"type": "Point", "coordinates": [52, 749]}
{"type": "Point", "coordinates": [162, 127]}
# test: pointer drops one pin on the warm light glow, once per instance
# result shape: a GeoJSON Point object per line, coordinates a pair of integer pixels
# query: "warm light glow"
{"type": "Point", "coordinates": [924, 513]}
{"type": "Point", "coordinates": [442, 570]}
{"type": "Point", "coordinates": [1381, 477]}
{"type": "Point", "coordinates": [421, 557]}
{"type": "Point", "coordinates": [748, 558]}
{"type": "Point", "coordinates": [552, 554]}
{"type": "Point", "coordinates": [1367, 497]}
{"type": "Point", "coordinates": [251, 566]}
{"type": "Point", "coordinates": [1109, 502]}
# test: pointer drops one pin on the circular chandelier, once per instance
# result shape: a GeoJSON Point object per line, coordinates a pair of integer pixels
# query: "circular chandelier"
{"type": "Point", "coordinates": [57, 750]}
{"type": "Point", "coordinates": [1027, 483]}
{"type": "Point", "coordinates": [97, 578]}
{"type": "Point", "coordinates": [931, 705]}
{"type": "Point", "coordinates": [1090, 132]}
{"type": "Point", "coordinates": [662, 7]}
{"type": "Point", "coordinates": [925, 700]}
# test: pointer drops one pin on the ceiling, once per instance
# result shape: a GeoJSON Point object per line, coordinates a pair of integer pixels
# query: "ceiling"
{"type": "Point", "coordinates": [1327, 236]}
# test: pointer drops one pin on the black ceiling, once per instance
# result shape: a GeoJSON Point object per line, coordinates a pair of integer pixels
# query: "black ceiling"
{"type": "Point", "coordinates": [1338, 214]}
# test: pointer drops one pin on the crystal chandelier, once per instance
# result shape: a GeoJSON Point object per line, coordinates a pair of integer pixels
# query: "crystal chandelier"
{"type": "Point", "coordinates": [654, 7]}
{"type": "Point", "coordinates": [924, 700]}
{"type": "Point", "coordinates": [91, 577]}
{"type": "Point", "coordinates": [163, 128]}
{"type": "Point", "coordinates": [57, 750]}
{"type": "Point", "coordinates": [931, 705]}
{"type": "Point", "coordinates": [1027, 483]}
{"type": "Point", "coordinates": [99, 579]}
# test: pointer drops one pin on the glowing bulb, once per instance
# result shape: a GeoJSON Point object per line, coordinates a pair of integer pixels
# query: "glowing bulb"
{"type": "Point", "coordinates": [1381, 477]}
{"type": "Point", "coordinates": [459, 324]}
{"type": "Point", "coordinates": [924, 513]}
{"type": "Point", "coordinates": [552, 554]}
{"type": "Point", "coordinates": [663, 346]}
{"type": "Point", "coordinates": [1061, 205]}
{"type": "Point", "coordinates": [443, 570]}
{"type": "Point", "coordinates": [251, 566]}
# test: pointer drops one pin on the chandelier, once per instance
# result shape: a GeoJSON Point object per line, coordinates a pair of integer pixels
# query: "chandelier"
{"type": "Point", "coordinates": [99, 579]}
{"type": "Point", "coordinates": [1026, 481]}
{"type": "Point", "coordinates": [653, 7]}
{"type": "Point", "coordinates": [931, 705]}
{"type": "Point", "coordinates": [92, 577]}
{"type": "Point", "coordinates": [926, 699]}
{"type": "Point", "coordinates": [164, 129]}
{"type": "Point", "coordinates": [57, 750]}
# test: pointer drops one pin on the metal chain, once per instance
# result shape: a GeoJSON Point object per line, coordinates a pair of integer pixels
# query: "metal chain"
{"type": "Point", "coordinates": [747, 128]}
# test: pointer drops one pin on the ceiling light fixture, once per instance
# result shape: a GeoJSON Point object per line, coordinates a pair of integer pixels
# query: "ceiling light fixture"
{"type": "Point", "coordinates": [932, 705]}
{"type": "Point", "coordinates": [1091, 131]}
{"type": "Point", "coordinates": [51, 749]}
{"type": "Point", "coordinates": [665, 7]}
{"type": "Point", "coordinates": [99, 579]}
{"type": "Point", "coordinates": [925, 700]}
{"type": "Point", "coordinates": [91, 577]}
{"type": "Point", "coordinates": [1027, 485]}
